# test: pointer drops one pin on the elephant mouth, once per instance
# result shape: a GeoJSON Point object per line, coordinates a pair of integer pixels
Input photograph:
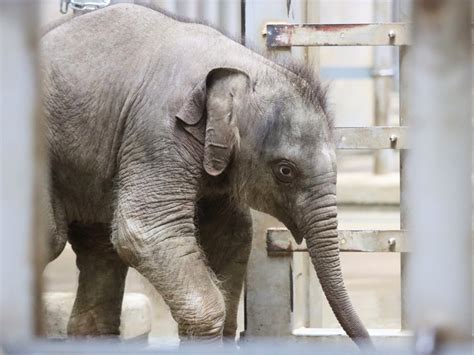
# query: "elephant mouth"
{"type": "Point", "coordinates": [294, 230]}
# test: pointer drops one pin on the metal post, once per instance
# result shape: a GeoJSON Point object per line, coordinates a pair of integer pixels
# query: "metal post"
{"type": "Point", "coordinates": [403, 16]}
{"type": "Point", "coordinates": [225, 15]}
{"type": "Point", "coordinates": [307, 292]}
{"type": "Point", "coordinates": [382, 57]}
{"type": "Point", "coordinates": [231, 17]}
{"type": "Point", "coordinates": [187, 8]}
{"type": "Point", "coordinates": [168, 5]}
{"type": "Point", "coordinates": [315, 292]}
{"type": "Point", "coordinates": [21, 162]}
{"type": "Point", "coordinates": [297, 13]}
{"type": "Point", "coordinates": [268, 288]}
{"type": "Point", "coordinates": [209, 11]}
{"type": "Point", "coordinates": [440, 172]}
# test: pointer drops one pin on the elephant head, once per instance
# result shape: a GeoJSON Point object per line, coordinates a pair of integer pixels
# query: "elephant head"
{"type": "Point", "coordinates": [269, 135]}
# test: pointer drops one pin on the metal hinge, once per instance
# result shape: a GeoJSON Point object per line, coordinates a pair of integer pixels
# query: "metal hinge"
{"type": "Point", "coordinates": [82, 5]}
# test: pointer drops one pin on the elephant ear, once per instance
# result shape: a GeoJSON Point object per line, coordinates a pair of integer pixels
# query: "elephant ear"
{"type": "Point", "coordinates": [217, 98]}
{"type": "Point", "coordinates": [193, 108]}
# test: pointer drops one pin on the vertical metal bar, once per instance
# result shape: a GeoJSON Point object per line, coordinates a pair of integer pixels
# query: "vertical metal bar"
{"type": "Point", "coordinates": [315, 297]}
{"type": "Point", "coordinates": [268, 287]}
{"type": "Point", "coordinates": [314, 293]}
{"type": "Point", "coordinates": [209, 11]}
{"type": "Point", "coordinates": [301, 306]}
{"type": "Point", "coordinates": [257, 14]}
{"type": "Point", "coordinates": [19, 295]}
{"type": "Point", "coordinates": [297, 13]}
{"type": "Point", "coordinates": [268, 293]}
{"type": "Point", "coordinates": [168, 5]}
{"type": "Point", "coordinates": [382, 57]}
{"type": "Point", "coordinates": [440, 170]}
{"type": "Point", "coordinates": [403, 16]}
{"type": "Point", "coordinates": [187, 8]}
{"type": "Point", "coordinates": [230, 17]}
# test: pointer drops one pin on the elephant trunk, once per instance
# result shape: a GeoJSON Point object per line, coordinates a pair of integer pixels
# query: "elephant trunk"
{"type": "Point", "coordinates": [320, 232]}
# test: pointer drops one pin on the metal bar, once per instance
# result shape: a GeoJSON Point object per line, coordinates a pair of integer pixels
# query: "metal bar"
{"type": "Point", "coordinates": [280, 241]}
{"type": "Point", "coordinates": [439, 172]}
{"type": "Point", "coordinates": [372, 34]}
{"type": "Point", "coordinates": [268, 282]}
{"type": "Point", "coordinates": [188, 9]}
{"type": "Point", "coordinates": [331, 332]}
{"type": "Point", "coordinates": [268, 288]}
{"type": "Point", "coordinates": [208, 11]}
{"type": "Point", "coordinates": [330, 72]}
{"type": "Point", "coordinates": [371, 137]}
{"type": "Point", "coordinates": [382, 59]}
{"type": "Point", "coordinates": [230, 18]}
{"type": "Point", "coordinates": [21, 161]}
{"type": "Point", "coordinates": [314, 294]}
{"type": "Point", "coordinates": [403, 15]}
{"type": "Point", "coordinates": [168, 5]}
{"type": "Point", "coordinates": [264, 346]}
{"type": "Point", "coordinates": [301, 267]}
{"type": "Point", "coordinates": [383, 339]}
{"type": "Point", "coordinates": [354, 34]}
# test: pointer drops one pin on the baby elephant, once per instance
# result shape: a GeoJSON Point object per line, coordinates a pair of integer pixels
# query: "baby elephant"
{"type": "Point", "coordinates": [162, 135]}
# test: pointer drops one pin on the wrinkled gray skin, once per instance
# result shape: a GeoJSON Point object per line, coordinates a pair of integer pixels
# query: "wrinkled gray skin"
{"type": "Point", "coordinates": [161, 136]}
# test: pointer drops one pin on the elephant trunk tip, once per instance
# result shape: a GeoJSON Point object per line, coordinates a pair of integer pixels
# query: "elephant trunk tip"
{"type": "Point", "coordinates": [365, 344]}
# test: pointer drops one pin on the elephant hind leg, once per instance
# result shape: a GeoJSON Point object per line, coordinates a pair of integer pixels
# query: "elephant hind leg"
{"type": "Point", "coordinates": [98, 304]}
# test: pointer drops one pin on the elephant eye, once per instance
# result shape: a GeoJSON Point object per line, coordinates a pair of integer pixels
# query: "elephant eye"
{"type": "Point", "coordinates": [284, 171]}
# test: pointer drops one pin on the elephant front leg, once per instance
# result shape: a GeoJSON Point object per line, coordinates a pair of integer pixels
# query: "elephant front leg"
{"type": "Point", "coordinates": [98, 304]}
{"type": "Point", "coordinates": [226, 237]}
{"type": "Point", "coordinates": [164, 250]}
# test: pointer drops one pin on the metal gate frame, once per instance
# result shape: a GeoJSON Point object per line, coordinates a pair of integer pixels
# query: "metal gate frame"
{"type": "Point", "coordinates": [279, 241]}
{"type": "Point", "coordinates": [270, 315]}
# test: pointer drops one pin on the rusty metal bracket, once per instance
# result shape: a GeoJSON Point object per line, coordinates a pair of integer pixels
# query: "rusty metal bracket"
{"type": "Point", "coordinates": [360, 34]}
{"type": "Point", "coordinates": [371, 34]}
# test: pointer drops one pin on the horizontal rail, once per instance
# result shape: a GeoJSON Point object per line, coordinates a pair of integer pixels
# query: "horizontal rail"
{"type": "Point", "coordinates": [338, 72]}
{"type": "Point", "coordinates": [373, 34]}
{"type": "Point", "coordinates": [376, 137]}
{"type": "Point", "coordinates": [331, 332]}
{"type": "Point", "coordinates": [361, 34]}
{"type": "Point", "coordinates": [280, 241]}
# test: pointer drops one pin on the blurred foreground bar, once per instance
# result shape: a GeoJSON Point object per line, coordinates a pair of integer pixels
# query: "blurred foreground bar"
{"type": "Point", "coordinates": [439, 172]}
{"type": "Point", "coordinates": [20, 173]}
{"type": "Point", "coordinates": [272, 346]}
